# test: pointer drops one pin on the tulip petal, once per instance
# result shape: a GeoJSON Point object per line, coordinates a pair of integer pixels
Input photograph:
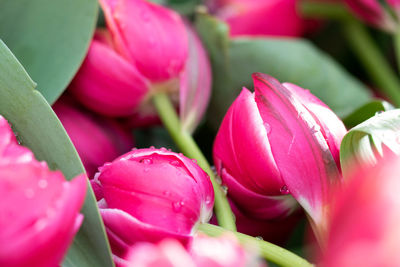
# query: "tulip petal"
{"type": "Point", "coordinates": [107, 83]}
{"type": "Point", "coordinates": [305, 162]}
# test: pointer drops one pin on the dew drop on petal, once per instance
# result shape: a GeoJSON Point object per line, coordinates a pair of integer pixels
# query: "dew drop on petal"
{"type": "Point", "coordinates": [174, 163]}
{"type": "Point", "coordinates": [177, 206]}
{"type": "Point", "coordinates": [378, 113]}
{"type": "Point", "coordinates": [146, 161]}
{"type": "Point", "coordinates": [315, 128]}
{"type": "Point", "coordinates": [259, 238]}
{"type": "Point", "coordinates": [224, 189]}
{"type": "Point", "coordinates": [267, 127]}
{"type": "Point", "coordinates": [284, 190]}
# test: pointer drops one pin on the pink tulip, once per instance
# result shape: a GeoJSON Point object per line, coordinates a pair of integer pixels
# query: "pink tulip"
{"type": "Point", "coordinates": [278, 145]}
{"type": "Point", "coordinates": [152, 194]}
{"type": "Point", "coordinates": [195, 87]}
{"type": "Point", "coordinates": [97, 140]}
{"type": "Point", "coordinates": [204, 251]}
{"type": "Point", "coordinates": [39, 210]}
{"type": "Point", "coordinates": [376, 13]}
{"type": "Point", "coordinates": [106, 82]}
{"type": "Point", "coordinates": [149, 36]}
{"type": "Point", "coordinates": [365, 218]}
{"type": "Point", "coordinates": [254, 17]}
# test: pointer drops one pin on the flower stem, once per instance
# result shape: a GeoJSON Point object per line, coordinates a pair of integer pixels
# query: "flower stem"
{"type": "Point", "coordinates": [362, 45]}
{"type": "Point", "coordinates": [269, 251]}
{"type": "Point", "coordinates": [188, 146]}
{"type": "Point", "coordinates": [396, 38]}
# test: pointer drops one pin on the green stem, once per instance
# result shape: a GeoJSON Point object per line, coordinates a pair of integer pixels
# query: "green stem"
{"type": "Point", "coordinates": [189, 147]}
{"type": "Point", "coordinates": [323, 10]}
{"type": "Point", "coordinates": [374, 62]}
{"type": "Point", "coordinates": [362, 44]}
{"type": "Point", "coordinates": [396, 38]}
{"type": "Point", "coordinates": [269, 251]}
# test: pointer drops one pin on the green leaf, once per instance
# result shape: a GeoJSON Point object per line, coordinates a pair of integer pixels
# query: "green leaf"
{"type": "Point", "coordinates": [365, 112]}
{"type": "Point", "coordinates": [39, 129]}
{"type": "Point", "coordinates": [49, 37]}
{"type": "Point", "coordinates": [371, 140]}
{"type": "Point", "coordinates": [289, 60]}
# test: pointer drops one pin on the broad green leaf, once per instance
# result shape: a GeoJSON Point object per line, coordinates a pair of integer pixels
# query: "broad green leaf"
{"type": "Point", "coordinates": [289, 60]}
{"type": "Point", "coordinates": [39, 129]}
{"type": "Point", "coordinates": [49, 37]}
{"type": "Point", "coordinates": [365, 112]}
{"type": "Point", "coordinates": [369, 141]}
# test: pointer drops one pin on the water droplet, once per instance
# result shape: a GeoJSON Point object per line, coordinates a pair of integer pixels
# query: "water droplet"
{"type": "Point", "coordinates": [146, 161]}
{"type": "Point", "coordinates": [167, 193]}
{"type": "Point", "coordinates": [315, 128]}
{"type": "Point", "coordinates": [133, 149]}
{"type": "Point", "coordinates": [284, 190]}
{"type": "Point", "coordinates": [327, 157]}
{"type": "Point", "coordinates": [177, 206]}
{"type": "Point", "coordinates": [40, 224]}
{"type": "Point", "coordinates": [259, 238]}
{"type": "Point", "coordinates": [218, 179]}
{"type": "Point", "coordinates": [224, 189]}
{"type": "Point", "coordinates": [378, 113]}
{"type": "Point", "coordinates": [163, 149]}
{"type": "Point", "coordinates": [267, 127]}
{"type": "Point", "coordinates": [152, 147]}
{"type": "Point", "coordinates": [42, 183]}
{"type": "Point", "coordinates": [194, 160]}
{"type": "Point", "coordinates": [180, 154]}
{"type": "Point", "coordinates": [175, 163]}
{"type": "Point", "coordinates": [208, 200]}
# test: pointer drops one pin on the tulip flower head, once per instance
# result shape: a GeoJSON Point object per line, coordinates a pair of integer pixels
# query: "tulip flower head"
{"type": "Point", "coordinates": [39, 210]}
{"type": "Point", "coordinates": [363, 226]}
{"type": "Point", "coordinates": [152, 194]}
{"type": "Point", "coordinates": [258, 18]}
{"type": "Point", "coordinates": [97, 140]}
{"type": "Point", "coordinates": [277, 146]}
{"type": "Point", "coordinates": [381, 14]}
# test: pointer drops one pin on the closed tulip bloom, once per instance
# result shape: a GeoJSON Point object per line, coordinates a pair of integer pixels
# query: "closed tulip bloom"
{"type": "Point", "coordinates": [107, 83]}
{"type": "Point", "coordinates": [381, 14]}
{"type": "Point", "coordinates": [277, 146]}
{"type": "Point", "coordinates": [257, 18]}
{"type": "Point", "coordinates": [152, 194]}
{"type": "Point", "coordinates": [39, 210]}
{"type": "Point", "coordinates": [97, 140]}
{"type": "Point", "coordinates": [150, 36]}
{"type": "Point", "coordinates": [204, 251]}
{"type": "Point", "coordinates": [364, 222]}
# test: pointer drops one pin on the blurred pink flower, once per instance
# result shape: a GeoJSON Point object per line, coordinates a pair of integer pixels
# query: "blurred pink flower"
{"type": "Point", "coordinates": [39, 210]}
{"type": "Point", "coordinates": [364, 222]}
{"type": "Point", "coordinates": [257, 18]}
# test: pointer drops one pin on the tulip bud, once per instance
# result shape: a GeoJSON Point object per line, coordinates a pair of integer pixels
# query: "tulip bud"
{"type": "Point", "coordinates": [152, 194]}
{"type": "Point", "coordinates": [149, 36]}
{"type": "Point", "coordinates": [39, 210]}
{"type": "Point", "coordinates": [364, 223]}
{"type": "Point", "coordinates": [277, 144]}
{"type": "Point", "coordinates": [224, 251]}
{"type": "Point", "coordinates": [106, 82]}
{"type": "Point", "coordinates": [97, 140]}
{"type": "Point", "coordinates": [381, 14]}
{"type": "Point", "coordinates": [253, 17]}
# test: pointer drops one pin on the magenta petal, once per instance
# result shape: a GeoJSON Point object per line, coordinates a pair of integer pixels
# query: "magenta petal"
{"type": "Point", "coordinates": [305, 162]}
{"type": "Point", "coordinates": [107, 83]}
{"type": "Point", "coordinates": [242, 144]}
{"type": "Point", "coordinates": [332, 127]}
{"type": "Point", "coordinates": [125, 230]}
{"type": "Point", "coordinates": [139, 26]}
